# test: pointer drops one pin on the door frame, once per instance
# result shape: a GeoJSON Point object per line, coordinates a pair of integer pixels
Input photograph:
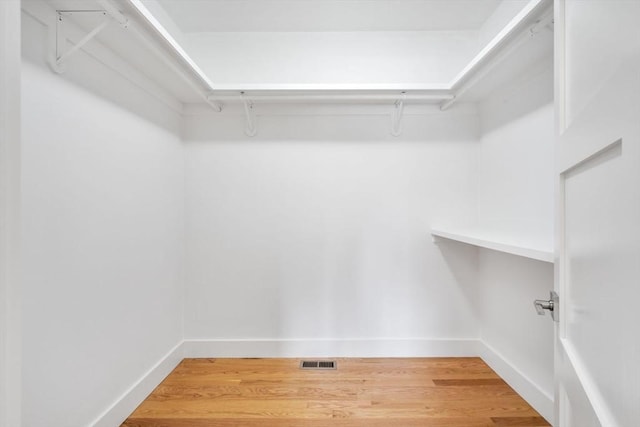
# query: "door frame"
{"type": "Point", "coordinates": [559, 95]}
{"type": "Point", "coordinates": [10, 302]}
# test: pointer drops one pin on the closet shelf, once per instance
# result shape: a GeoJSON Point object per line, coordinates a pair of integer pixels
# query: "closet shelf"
{"type": "Point", "coordinates": [531, 20]}
{"type": "Point", "coordinates": [497, 242]}
{"type": "Point", "coordinates": [146, 49]}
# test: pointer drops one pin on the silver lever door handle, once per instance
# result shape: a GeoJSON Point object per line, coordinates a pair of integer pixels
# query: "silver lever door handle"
{"type": "Point", "coordinates": [551, 305]}
{"type": "Point", "coordinates": [542, 305]}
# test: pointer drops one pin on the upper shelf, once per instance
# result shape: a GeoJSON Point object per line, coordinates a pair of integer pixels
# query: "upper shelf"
{"type": "Point", "coordinates": [146, 51]}
{"type": "Point", "coordinates": [499, 242]}
{"type": "Point", "coordinates": [531, 20]}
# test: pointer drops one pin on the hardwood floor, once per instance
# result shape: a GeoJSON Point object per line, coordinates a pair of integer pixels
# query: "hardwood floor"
{"type": "Point", "coordinates": [360, 393]}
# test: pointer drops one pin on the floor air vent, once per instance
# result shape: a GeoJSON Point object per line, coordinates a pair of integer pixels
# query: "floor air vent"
{"type": "Point", "coordinates": [318, 364]}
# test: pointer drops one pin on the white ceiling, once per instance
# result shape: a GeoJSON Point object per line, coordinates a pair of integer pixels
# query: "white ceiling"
{"type": "Point", "coordinates": [193, 16]}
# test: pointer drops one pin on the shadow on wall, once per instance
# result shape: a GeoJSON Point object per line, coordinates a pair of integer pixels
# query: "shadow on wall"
{"type": "Point", "coordinates": [462, 261]}
{"type": "Point", "coordinates": [509, 103]}
{"type": "Point", "coordinates": [280, 124]}
{"type": "Point", "coordinates": [92, 75]}
{"type": "Point", "coordinates": [340, 285]}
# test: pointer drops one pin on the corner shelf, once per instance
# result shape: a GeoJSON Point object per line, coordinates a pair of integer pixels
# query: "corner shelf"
{"type": "Point", "coordinates": [496, 242]}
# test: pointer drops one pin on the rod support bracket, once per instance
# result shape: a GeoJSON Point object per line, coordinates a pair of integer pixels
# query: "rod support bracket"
{"type": "Point", "coordinates": [214, 103]}
{"type": "Point", "coordinates": [250, 113]}
{"type": "Point", "coordinates": [396, 115]}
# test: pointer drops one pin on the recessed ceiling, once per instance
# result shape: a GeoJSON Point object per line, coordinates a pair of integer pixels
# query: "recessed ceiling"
{"type": "Point", "coordinates": [193, 16]}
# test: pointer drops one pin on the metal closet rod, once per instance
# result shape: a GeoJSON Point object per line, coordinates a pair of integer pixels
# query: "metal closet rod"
{"type": "Point", "coordinates": [332, 97]}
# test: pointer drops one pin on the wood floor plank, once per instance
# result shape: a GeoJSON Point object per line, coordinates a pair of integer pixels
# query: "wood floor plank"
{"type": "Point", "coordinates": [469, 382]}
{"type": "Point", "coordinates": [264, 391]}
{"type": "Point", "coordinates": [234, 422]}
{"type": "Point", "coordinates": [361, 392]}
{"type": "Point", "coordinates": [519, 421]}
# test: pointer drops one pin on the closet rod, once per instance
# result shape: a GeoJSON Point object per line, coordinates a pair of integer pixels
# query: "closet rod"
{"type": "Point", "coordinates": [383, 97]}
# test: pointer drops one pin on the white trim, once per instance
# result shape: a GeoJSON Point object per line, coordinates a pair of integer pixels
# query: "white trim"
{"type": "Point", "coordinates": [540, 400]}
{"type": "Point", "coordinates": [591, 157]}
{"type": "Point", "coordinates": [560, 113]}
{"type": "Point", "coordinates": [124, 406]}
{"type": "Point", "coordinates": [378, 347]}
{"type": "Point", "coordinates": [10, 338]}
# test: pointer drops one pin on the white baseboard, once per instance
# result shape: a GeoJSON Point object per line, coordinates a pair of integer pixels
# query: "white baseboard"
{"type": "Point", "coordinates": [523, 385]}
{"type": "Point", "coordinates": [383, 347]}
{"type": "Point", "coordinates": [125, 405]}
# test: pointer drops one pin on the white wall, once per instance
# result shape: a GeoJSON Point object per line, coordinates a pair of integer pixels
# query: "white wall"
{"type": "Point", "coordinates": [353, 58]}
{"type": "Point", "coordinates": [508, 284]}
{"type": "Point", "coordinates": [102, 209]}
{"type": "Point", "coordinates": [515, 196]}
{"type": "Point", "coordinates": [317, 228]}
{"type": "Point", "coordinates": [516, 175]}
{"type": "Point", "coordinates": [9, 213]}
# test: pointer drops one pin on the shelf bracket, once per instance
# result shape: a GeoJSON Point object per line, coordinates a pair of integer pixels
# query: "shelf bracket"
{"type": "Point", "coordinates": [251, 128]}
{"type": "Point", "coordinates": [396, 115]}
{"type": "Point", "coordinates": [60, 52]}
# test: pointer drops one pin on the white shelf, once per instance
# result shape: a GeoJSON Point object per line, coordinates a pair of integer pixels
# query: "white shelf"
{"type": "Point", "coordinates": [497, 242]}
{"type": "Point", "coordinates": [146, 49]}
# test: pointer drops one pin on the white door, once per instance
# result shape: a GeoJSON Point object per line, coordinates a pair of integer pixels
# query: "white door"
{"type": "Point", "coordinates": [598, 256]}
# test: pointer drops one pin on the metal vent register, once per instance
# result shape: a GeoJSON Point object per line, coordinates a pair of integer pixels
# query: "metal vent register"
{"type": "Point", "coordinates": [318, 364]}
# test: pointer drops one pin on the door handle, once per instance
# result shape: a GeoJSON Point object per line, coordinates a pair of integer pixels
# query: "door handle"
{"type": "Point", "coordinates": [542, 305]}
{"type": "Point", "coordinates": [552, 305]}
